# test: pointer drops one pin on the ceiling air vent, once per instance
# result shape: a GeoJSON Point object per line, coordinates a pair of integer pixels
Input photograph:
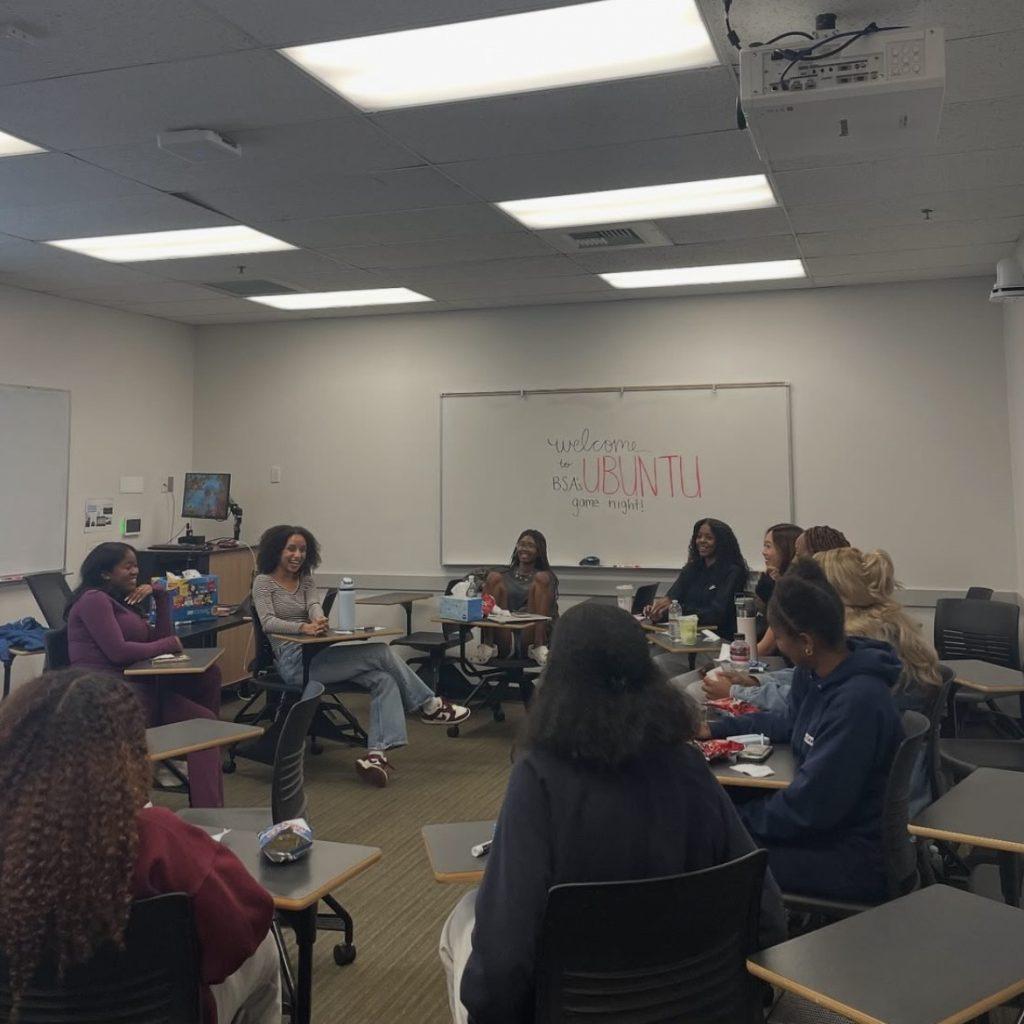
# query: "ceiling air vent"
{"type": "Point", "coordinates": [245, 287]}
{"type": "Point", "coordinates": [599, 237]}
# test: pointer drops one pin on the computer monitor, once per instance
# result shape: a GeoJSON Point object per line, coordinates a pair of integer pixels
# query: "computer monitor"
{"type": "Point", "coordinates": [206, 496]}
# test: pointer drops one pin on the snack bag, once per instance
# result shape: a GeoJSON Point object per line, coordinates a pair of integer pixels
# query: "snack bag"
{"type": "Point", "coordinates": [286, 841]}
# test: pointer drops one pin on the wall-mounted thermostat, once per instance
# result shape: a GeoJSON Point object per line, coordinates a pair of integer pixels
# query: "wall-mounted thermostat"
{"type": "Point", "coordinates": [131, 526]}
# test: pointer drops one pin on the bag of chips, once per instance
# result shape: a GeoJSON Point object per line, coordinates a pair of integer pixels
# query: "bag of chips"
{"type": "Point", "coordinates": [734, 706]}
{"type": "Point", "coordinates": [286, 841]}
{"type": "Point", "coordinates": [717, 750]}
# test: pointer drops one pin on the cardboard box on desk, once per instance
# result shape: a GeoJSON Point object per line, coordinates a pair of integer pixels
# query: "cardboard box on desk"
{"type": "Point", "coordinates": [192, 600]}
{"type": "Point", "coordinates": [462, 609]}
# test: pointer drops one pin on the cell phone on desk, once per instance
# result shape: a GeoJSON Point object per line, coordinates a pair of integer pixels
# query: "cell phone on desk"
{"type": "Point", "coordinates": [756, 752]}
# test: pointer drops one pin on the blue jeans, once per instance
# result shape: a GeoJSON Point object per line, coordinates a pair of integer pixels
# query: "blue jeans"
{"type": "Point", "coordinates": [394, 688]}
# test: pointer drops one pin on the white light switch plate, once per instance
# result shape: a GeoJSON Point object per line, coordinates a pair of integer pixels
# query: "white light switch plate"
{"type": "Point", "coordinates": [275, 474]}
{"type": "Point", "coordinates": [132, 485]}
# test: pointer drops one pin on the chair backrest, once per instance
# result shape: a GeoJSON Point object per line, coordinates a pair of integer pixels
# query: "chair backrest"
{"type": "Point", "coordinates": [51, 593]}
{"type": "Point", "coordinates": [287, 793]}
{"type": "Point", "coordinates": [899, 851]}
{"type": "Point", "coordinates": [328, 602]}
{"type": "Point", "coordinates": [643, 597]}
{"type": "Point", "coordinates": [979, 594]}
{"type": "Point", "coordinates": [55, 646]}
{"type": "Point", "coordinates": [985, 630]}
{"type": "Point", "coordinates": [655, 950]}
{"type": "Point", "coordinates": [263, 658]}
{"type": "Point", "coordinates": [939, 709]}
{"type": "Point", "coordinates": [155, 978]}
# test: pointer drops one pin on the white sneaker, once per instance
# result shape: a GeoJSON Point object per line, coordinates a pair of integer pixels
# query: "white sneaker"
{"type": "Point", "coordinates": [539, 653]}
{"type": "Point", "coordinates": [482, 654]}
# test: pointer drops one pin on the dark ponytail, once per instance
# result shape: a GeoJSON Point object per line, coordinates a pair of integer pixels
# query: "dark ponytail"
{"type": "Point", "coordinates": [805, 602]}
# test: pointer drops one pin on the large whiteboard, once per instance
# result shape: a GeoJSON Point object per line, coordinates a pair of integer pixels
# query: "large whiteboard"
{"type": "Point", "coordinates": [621, 474]}
{"type": "Point", "coordinates": [35, 432]}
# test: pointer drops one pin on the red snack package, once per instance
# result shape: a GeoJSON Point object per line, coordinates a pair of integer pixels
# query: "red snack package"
{"type": "Point", "coordinates": [734, 706]}
{"type": "Point", "coordinates": [488, 604]}
{"type": "Point", "coordinates": [715, 750]}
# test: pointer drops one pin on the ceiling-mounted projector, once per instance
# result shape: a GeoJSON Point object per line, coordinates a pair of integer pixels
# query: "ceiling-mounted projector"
{"type": "Point", "coordinates": [882, 93]}
{"type": "Point", "coordinates": [1009, 281]}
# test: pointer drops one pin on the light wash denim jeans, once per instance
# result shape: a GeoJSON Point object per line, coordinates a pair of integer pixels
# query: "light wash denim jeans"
{"type": "Point", "coordinates": [394, 688]}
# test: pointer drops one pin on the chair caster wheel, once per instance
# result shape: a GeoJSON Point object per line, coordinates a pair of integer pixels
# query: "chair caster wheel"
{"type": "Point", "coordinates": [453, 731]}
{"type": "Point", "coordinates": [499, 715]}
{"type": "Point", "coordinates": [344, 953]}
{"type": "Point", "coordinates": [228, 768]}
{"type": "Point", "coordinates": [316, 748]}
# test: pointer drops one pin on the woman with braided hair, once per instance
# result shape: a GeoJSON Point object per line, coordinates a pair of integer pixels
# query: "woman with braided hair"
{"type": "Point", "coordinates": [608, 788]}
{"type": "Point", "coordinates": [78, 844]}
{"type": "Point", "coordinates": [816, 539]}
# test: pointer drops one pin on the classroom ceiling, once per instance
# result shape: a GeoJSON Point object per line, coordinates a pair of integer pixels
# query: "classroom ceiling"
{"type": "Point", "coordinates": [402, 198]}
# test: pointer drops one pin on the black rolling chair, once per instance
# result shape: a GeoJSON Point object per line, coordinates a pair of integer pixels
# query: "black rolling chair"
{"type": "Point", "coordinates": [154, 978]}
{"type": "Point", "coordinates": [655, 950]}
{"type": "Point", "coordinates": [51, 593]}
{"type": "Point", "coordinates": [434, 661]}
{"type": "Point", "coordinates": [900, 852]}
{"type": "Point", "coordinates": [979, 594]}
{"type": "Point", "coordinates": [933, 747]}
{"type": "Point", "coordinates": [643, 597]}
{"type": "Point", "coordinates": [55, 646]}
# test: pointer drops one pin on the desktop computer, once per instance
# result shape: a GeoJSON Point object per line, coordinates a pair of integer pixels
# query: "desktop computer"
{"type": "Point", "coordinates": [208, 496]}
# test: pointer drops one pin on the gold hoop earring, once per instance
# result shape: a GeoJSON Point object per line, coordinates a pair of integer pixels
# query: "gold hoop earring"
{"type": "Point", "coordinates": [808, 651]}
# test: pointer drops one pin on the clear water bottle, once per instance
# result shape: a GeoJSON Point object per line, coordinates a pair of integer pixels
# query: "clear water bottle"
{"type": "Point", "coordinates": [346, 603]}
{"type": "Point", "coordinates": [675, 613]}
{"type": "Point", "coordinates": [472, 587]}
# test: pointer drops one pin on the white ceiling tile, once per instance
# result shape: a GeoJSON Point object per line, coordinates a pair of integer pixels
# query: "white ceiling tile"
{"type": "Point", "coordinates": [527, 287]}
{"type": "Point", "coordinates": [227, 93]}
{"type": "Point", "coordinates": [716, 227]}
{"type": "Point", "coordinates": [141, 291]}
{"type": "Point", "coordinates": [225, 268]}
{"type": "Point", "coordinates": [284, 154]}
{"type": "Point", "coordinates": [687, 103]}
{"type": "Point", "coordinates": [702, 254]}
{"type": "Point", "coordinates": [396, 228]}
{"type": "Point", "coordinates": [651, 162]}
{"type": "Point", "coordinates": [42, 267]}
{"type": "Point", "coordinates": [449, 250]}
{"type": "Point", "coordinates": [536, 267]}
{"type": "Point", "coordinates": [153, 212]}
{"type": "Point", "coordinates": [924, 274]}
{"type": "Point", "coordinates": [925, 235]}
{"type": "Point", "coordinates": [910, 259]}
{"type": "Point", "coordinates": [312, 21]}
{"type": "Point", "coordinates": [338, 279]}
{"type": "Point", "coordinates": [969, 204]}
{"type": "Point", "coordinates": [47, 179]}
{"type": "Point", "coordinates": [209, 305]}
{"type": "Point", "coordinates": [404, 189]}
{"type": "Point", "coordinates": [986, 66]}
{"type": "Point", "coordinates": [73, 38]}
{"type": "Point", "coordinates": [981, 124]}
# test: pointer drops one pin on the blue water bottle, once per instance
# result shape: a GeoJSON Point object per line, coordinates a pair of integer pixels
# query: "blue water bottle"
{"type": "Point", "coordinates": [346, 604]}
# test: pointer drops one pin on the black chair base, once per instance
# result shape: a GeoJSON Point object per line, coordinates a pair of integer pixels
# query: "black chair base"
{"type": "Point", "coordinates": [494, 683]}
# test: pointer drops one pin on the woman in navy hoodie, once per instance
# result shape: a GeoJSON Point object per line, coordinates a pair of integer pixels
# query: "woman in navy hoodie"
{"type": "Point", "coordinates": [823, 833]}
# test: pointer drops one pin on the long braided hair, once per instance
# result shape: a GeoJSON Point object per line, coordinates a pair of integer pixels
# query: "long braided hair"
{"type": "Point", "coordinates": [73, 776]}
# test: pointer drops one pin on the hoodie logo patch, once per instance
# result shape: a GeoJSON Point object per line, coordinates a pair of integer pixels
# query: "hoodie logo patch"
{"type": "Point", "coordinates": [808, 739]}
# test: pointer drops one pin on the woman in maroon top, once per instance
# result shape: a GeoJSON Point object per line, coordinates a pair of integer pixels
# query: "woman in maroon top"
{"type": "Point", "coordinates": [78, 844]}
{"type": "Point", "coordinates": [108, 630]}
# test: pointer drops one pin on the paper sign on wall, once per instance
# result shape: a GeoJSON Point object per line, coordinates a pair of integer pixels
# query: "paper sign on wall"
{"type": "Point", "coordinates": [99, 514]}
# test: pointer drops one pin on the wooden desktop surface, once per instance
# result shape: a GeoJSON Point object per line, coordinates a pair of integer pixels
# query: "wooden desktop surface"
{"type": "Point", "coordinates": [781, 762]}
{"type": "Point", "coordinates": [396, 597]}
{"type": "Point", "coordinates": [985, 677]}
{"type": "Point", "coordinates": [448, 849]}
{"type": "Point", "coordinates": [199, 659]}
{"type": "Point", "coordinates": [937, 956]}
{"type": "Point", "coordinates": [181, 738]}
{"type": "Point", "coordinates": [494, 623]}
{"type": "Point", "coordinates": [663, 640]}
{"type": "Point", "coordinates": [335, 637]}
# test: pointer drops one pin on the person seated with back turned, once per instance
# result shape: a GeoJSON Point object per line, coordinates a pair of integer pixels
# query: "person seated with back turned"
{"type": "Point", "coordinates": [608, 787]}
{"type": "Point", "coordinates": [108, 630]}
{"type": "Point", "coordinates": [823, 833]}
{"type": "Point", "coordinates": [78, 843]}
{"type": "Point", "coordinates": [528, 585]}
{"type": "Point", "coordinates": [285, 599]}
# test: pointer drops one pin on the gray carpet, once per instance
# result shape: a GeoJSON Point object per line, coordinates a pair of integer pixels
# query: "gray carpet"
{"type": "Point", "coordinates": [397, 906]}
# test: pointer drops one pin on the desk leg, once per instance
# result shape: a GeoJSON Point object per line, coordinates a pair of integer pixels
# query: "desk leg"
{"type": "Point", "coordinates": [407, 605]}
{"type": "Point", "coordinates": [1010, 877]}
{"type": "Point", "coordinates": [8, 665]}
{"type": "Point", "coordinates": [303, 923]}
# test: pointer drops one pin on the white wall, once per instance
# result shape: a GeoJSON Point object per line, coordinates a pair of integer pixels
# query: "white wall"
{"type": "Point", "coordinates": [1013, 316]}
{"type": "Point", "coordinates": [131, 383]}
{"type": "Point", "coordinates": [899, 405]}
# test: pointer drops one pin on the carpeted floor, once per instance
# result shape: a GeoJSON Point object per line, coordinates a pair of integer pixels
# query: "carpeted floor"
{"type": "Point", "coordinates": [397, 906]}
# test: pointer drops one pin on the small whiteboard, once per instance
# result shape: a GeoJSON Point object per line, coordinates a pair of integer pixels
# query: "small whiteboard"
{"type": "Point", "coordinates": [618, 473]}
{"type": "Point", "coordinates": [35, 427]}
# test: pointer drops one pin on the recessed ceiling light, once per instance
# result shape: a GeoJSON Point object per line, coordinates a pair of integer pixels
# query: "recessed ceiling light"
{"type": "Point", "coordinates": [547, 49]}
{"type": "Point", "coordinates": [331, 300]}
{"type": "Point", "coordinates": [174, 245]}
{"type": "Point", "coordinates": [683, 199]}
{"type": "Point", "coordinates": [11, 146]}
{"type": "Point", "coordinates": [771, 270]}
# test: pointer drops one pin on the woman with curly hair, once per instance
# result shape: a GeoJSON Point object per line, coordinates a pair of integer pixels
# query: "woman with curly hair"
{"type": "Point", "coordinates": [78, 844]}
{"type": "Point", "coordinates": [608, 788]}
{"type": "Point", "coordinates": [285, 599]}
{"type": "Point", "coordinates": [108, 630]}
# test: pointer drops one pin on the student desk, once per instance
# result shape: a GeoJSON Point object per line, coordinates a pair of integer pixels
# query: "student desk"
{"type": "Point", "coordinates": [665, 642]}
{"type": "Point", "coordinates": [781, 762]}
{"type": "Point", "coordinates": [181, 738]}
{"type": "Point", "coordinates": [14, 652]}
{"type": "Point", "coordinates": [937, 956]}
{"type": "Point", "coordinates": [986, 809]}
{"type": "Point", "coordinates": [983, 677]}
{"type": "Point", "coordinates": [198, 660]}
{"type": "Point", "coordinates": [297, 888]}
{"type": "Point", "coordinates": [405, 598]}
{"type": "Point", "coordinates": [313, 645]}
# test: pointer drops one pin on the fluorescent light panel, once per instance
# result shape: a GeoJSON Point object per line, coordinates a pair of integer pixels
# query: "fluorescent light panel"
{"type": "Point", "coordinates": [683, 199]}
{"type": "Point", "coordinates": [174, 245]}
{"type": "Point", "coordinates": [547, 49]}
{"type": "Point", "coordinates": [332, 300]}
{"type": "Point", "coordinates": [771, 270]}
{"type": "Point", "coordinates": [11, 146]}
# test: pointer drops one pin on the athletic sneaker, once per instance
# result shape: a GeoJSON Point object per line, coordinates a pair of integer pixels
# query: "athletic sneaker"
{"type": "Point", "coordinates": [374, 769]}
{"type": "Point", "coordinates": [481, 654]}
{"type": "Point", "coordinates": [539, 653]}
{"type": "Point", "coordinates": [446, 714]}
{"type": "Point", "coordinates": [164, 778]}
